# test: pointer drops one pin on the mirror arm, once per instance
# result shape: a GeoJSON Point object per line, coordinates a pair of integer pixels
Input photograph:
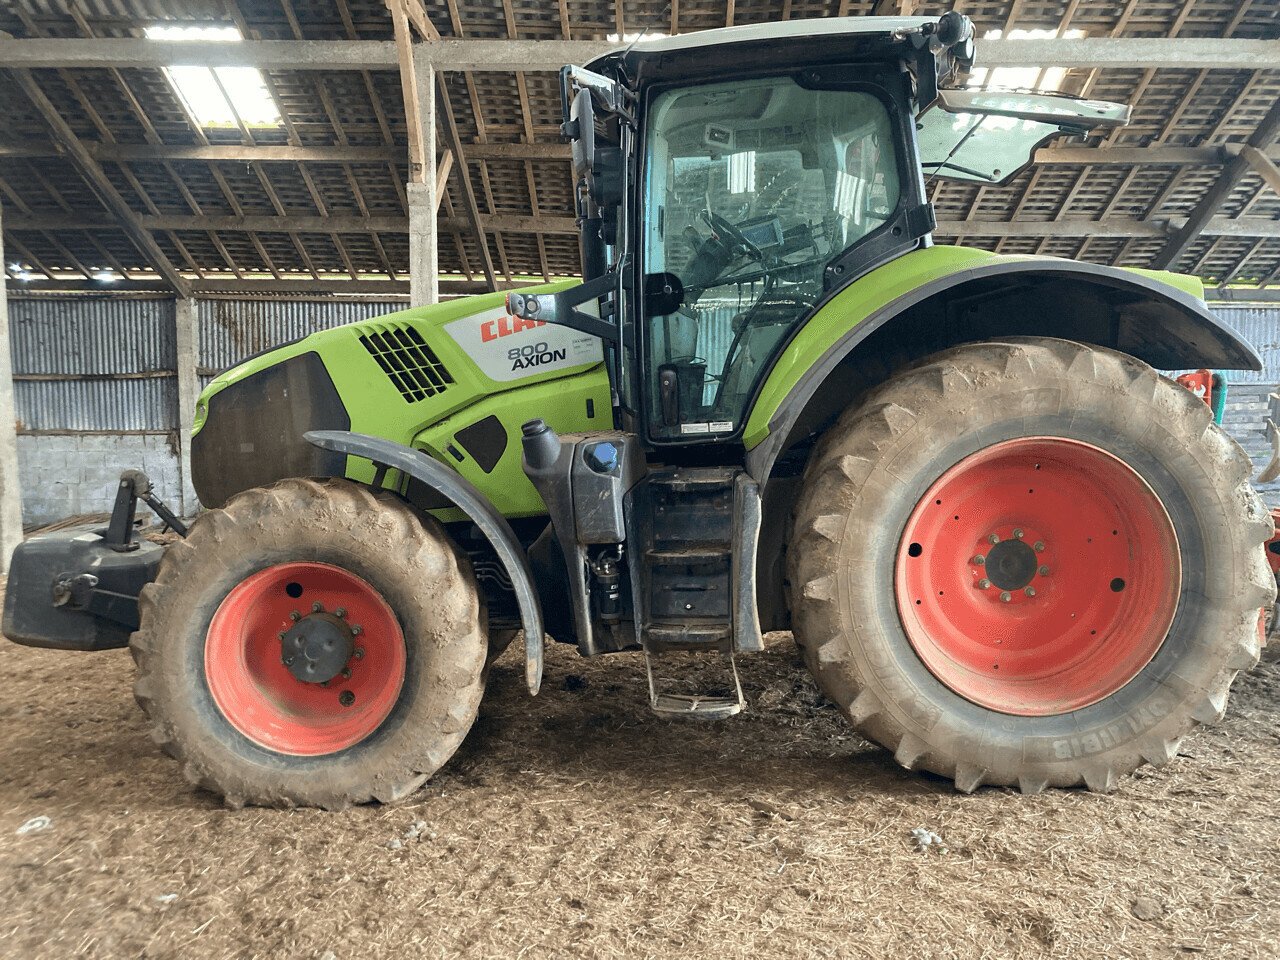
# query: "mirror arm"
{"type": "Point", "coordinates": [562, 308]}
{"type": "Point", "coordinates": [943, 51]}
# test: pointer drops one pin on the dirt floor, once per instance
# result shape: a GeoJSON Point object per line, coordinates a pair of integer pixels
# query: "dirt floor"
{"type": "Point", "coordinates": [579, 824]}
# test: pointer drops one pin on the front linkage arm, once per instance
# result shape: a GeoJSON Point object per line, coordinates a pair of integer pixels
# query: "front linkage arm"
{"type": "Point", "coordinates": [135, 486]}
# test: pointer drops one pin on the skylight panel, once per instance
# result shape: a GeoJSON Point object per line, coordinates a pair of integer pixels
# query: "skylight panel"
{"type": "Point", "coordinates": [640, 37]}
{"type": "Point", "coordinates": [216, 96]}
{"type": "Point", "coordinates": [1039, 79]}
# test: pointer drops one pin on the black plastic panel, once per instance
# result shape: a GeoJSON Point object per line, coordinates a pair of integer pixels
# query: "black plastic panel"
{"type": "Point", "coordinates": [30, 617]}
{"type": "Point", "coordinates": [485, 440]}
{"type": "Point", "coordinates": [252, 434]}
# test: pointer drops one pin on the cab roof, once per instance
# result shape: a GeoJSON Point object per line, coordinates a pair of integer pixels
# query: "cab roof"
{"type": "Point", "coordinates": [852, 34]}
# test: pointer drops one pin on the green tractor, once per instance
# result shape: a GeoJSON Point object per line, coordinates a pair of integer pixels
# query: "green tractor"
{"type": "Point", "coordinates": [1011, 551]}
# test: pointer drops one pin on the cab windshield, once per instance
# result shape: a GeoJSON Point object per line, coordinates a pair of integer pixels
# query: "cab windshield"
{"type": "Point", "coordinates": [751, 188]}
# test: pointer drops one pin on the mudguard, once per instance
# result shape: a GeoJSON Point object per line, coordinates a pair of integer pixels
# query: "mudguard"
{"type": "Point", "coordinates": [463, 494]}
{"type": "Point", "coordinates": [1186, 334]}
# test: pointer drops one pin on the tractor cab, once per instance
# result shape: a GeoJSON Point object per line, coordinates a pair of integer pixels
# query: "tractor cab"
{"type": "Point", "coordinates": [730, 182]}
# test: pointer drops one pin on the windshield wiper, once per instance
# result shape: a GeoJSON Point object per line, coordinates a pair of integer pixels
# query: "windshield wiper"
{"type": "Point", "coordinates": [779, 271]}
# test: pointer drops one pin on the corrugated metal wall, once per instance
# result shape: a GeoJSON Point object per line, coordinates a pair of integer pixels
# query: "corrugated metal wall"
{"type": "Point", "coordinates": [94, 364]}
{"type": "Point", "coordinates": [1260, 326]}
{"type": "Point", "coordinates": [107, 363]}
{"type": "Point", "coordinates": [231, 330]}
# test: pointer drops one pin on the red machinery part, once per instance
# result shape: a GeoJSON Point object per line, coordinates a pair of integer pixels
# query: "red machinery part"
{"type": "Point", "coordinates": [1273, 545]}
{"type": "Point", "coordinates": [1038, 576]}
{"type": "Point", "coordinates": [1200, 383]}
{"type": "Point", "coordinates": [255, 689]}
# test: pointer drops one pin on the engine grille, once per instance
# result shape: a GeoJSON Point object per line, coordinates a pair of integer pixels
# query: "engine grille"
{"type": "Point", "coordinates": [408, 362]}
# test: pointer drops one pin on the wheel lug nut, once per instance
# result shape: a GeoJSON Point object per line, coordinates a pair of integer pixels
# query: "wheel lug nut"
{"type": "Point", "coordinates": [280, 635]}
{"type": "Point", "coordinates": [984, 584]}
{"type": "Point", "coordinates": [346, 698]}
{"type": "Point", "coordinates": [356, 629]}
{"type": "Point", "coordinates": [1044, 571]}
{"type": "Point", "coordinates": [317, 607]}
{"type": "Point", "coordinates": [1017, 533]}
{"type": "Point", "coordinates": [1005, 597]}
{"type": "Point", "coordinates": [346, 673]}
{"type": "Point", "coordinates": [979, 559]}
{"type": "Point", "coordinates": [1030, 591]}
{"type": "Point", "coordinates": [1038, 546]}
{"type": "Point", "coordinates": [359, 653]}
{"type": "Point", "coordinates": [340, 612]}
{"type": "Point", "coordinates": [295, 616]}
{"type": "Point", "coordinates": [993, 539]}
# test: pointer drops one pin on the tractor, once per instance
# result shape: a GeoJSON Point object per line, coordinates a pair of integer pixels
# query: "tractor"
{"type": "Point", "coordinates": [1010, 550]}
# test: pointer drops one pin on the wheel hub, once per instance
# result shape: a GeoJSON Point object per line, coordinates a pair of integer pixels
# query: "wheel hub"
{"type": "Point", "coordinates": [1037, 576]}
{"type": "Point", "coordinates": [316, 649]}
{"type": "Point", "coordinates": [1011, 565]}
{"type": "Point", "coordinates": [305, 682]}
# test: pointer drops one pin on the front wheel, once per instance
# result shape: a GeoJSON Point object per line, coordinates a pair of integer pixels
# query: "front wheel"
{"type": "Point", "coordinates": [1029, 563]}
{"type": "Point", "coordinates": [311, 643]}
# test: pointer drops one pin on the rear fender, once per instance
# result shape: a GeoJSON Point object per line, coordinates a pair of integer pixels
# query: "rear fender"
{"type": "Point", "coordinates": [903, 315]}
{"type": "Point", "coordinates": [387, 454]}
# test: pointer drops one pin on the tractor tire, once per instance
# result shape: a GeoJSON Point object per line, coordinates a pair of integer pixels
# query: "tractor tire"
{"type": "Point", "coordinates": [311, 644]}
{"type": "Point", "coordinates": [1030, 562]}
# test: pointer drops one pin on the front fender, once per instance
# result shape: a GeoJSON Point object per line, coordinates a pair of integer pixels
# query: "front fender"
{"type": "Point", "coordinates": [463, 494]}
{"type": "Point", "coordinates": [1157, 317]}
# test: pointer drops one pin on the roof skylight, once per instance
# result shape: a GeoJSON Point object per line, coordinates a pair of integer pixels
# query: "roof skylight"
{"type": "Point", "coordinates": [217, 96]}
{"type": "Point", "coordinates": [640, 37]}
{"type": "Point", "coordinates": [1039, 79]}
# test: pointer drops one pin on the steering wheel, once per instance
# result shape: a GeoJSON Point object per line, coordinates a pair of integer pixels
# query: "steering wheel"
{"type": "Point", "coordinates": [720, 225]}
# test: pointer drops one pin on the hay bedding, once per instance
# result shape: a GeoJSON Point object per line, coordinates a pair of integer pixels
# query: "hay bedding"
{"type": "Point", "coordinates": [579, 824]}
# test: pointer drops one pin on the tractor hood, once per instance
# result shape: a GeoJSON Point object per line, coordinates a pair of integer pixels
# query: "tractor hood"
{"type": "Point", "coordinates": [455, 379]}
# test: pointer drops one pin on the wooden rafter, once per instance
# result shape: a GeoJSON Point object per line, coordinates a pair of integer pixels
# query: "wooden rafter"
{"type": "Point", "coordinates": [1183, 238]}
{"type": "Point", "coordinates": [113, 112]}
{"type": "Point", "coordinates": [100, 183]}
{"type": "Point", "coordinates": [453, 143]}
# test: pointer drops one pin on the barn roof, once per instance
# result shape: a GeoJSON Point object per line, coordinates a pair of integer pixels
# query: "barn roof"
{"type": "Point", "coordinates": [318, 200]}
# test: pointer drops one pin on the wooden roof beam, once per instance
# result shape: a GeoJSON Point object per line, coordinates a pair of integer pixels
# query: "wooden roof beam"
{"type": "Point", "coordinates": [1178, 53]}
{"type": "Point", "coordinates": [1262, 165]}
{"type": "Point", "coordinates": [514, 223]}
{"type": "Point", "coordinates": [1205, 211]}
{"type": "Point", "coordinates": [97, 179]}
{"type": "Point", "coordinates": [470, 208]}
{"type": "Point", "coordinates": [490, 150]}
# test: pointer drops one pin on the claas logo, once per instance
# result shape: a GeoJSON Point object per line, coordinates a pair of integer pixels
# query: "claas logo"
{"type": "Point", "coordinates": [505, 326]}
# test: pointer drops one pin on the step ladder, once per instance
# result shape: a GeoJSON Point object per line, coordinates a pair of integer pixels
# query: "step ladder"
{"type": "Point", "coordinates": [695, 706]}
{"type": "Point", "coordinates": [687, 594]}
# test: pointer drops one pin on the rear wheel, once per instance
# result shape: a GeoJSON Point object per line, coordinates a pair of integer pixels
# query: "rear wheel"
{"type": "Point", "coordinates": [311, 643]}
{"type": "Point", "coordinates": [1032, 562]}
